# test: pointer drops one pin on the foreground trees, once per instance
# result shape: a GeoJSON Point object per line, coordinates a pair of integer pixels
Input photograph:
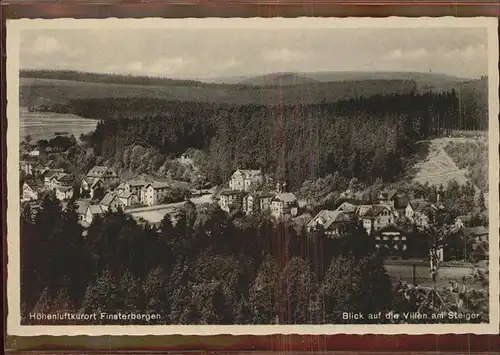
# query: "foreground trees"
{"type": "Point", "coordinates": [204, 269]}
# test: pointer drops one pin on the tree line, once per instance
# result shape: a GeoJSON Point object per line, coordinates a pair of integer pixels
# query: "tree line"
{"type": "Point", "coordinates": [365, 138]}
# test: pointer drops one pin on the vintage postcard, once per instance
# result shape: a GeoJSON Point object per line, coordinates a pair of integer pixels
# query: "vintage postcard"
{"type": "Point", "coordinates": [252, 176]}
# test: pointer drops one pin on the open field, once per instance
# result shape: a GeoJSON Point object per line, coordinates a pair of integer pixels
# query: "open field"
{"type": "Point", "coordinates": [34, 91]}
{"type": "Point", "coordinates": [154, 214]}
{"type": "Point", "coordinates": [43, 125]}
{"type": "Point", "coordinates": [445, 274]}
{"type": "Point", "coordinates": [437, 167]}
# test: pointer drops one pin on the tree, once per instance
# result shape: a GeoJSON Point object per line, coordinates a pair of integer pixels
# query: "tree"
{"type": "Point", "coordinates": [298, 291]}
{"type": "Point", "coordinates": [101, 295]}
{"type": "Point", "coordinates": [354, 285]}
{"type": "Point", "coordinates": [131, 294]}
{"type": "Point", "coordinates": [264, 293]}
{"type": "Point", "coordinates": [481, 203]}
{"type": "Point", "coordinates": [155, 292]}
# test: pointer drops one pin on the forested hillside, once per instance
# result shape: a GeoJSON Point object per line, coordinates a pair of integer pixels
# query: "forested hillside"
{"type": "Point", "coordinates": [41, 94]}
{"type": "Point", "coordinates": [364, 138]}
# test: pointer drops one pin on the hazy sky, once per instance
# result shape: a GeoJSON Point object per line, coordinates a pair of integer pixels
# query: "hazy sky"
{"type": "Point", "coordinates": [208, 53]}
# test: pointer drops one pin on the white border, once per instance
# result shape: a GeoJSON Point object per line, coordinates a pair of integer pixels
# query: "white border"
{"type": "Point", "coordinates": [14, 27]}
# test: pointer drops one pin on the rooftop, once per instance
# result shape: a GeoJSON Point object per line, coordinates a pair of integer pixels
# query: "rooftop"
{"type": "Point", "coordinates": [420, 205]}
{"type": "Point", "coordinates": [64, 188]}
{"type": "Point", "coordinates": [480, 230]}
{"type": "Point", "coordinates": [158, 185]}
{"type": "Point", "coordinates": [285, 197]}
{"type": "Point", "coordinates": [375, 210]}
{"type": "Point", "coordinates": [126, 194]}
{"type": "Point", "coordinates": [96, 209]}
{"type": "Point", "coordinates": [107, 199]}
{"type": "Point", "coordinates": [100, 170]}
{"type": "Point", "coordinates": [388, 194]}
{"type": "Point", "coordinates": [34, 183]}
{"type": "Point", "coordinates": [82, 206]}
{"type": "Point", "coordinates": [249, 173]}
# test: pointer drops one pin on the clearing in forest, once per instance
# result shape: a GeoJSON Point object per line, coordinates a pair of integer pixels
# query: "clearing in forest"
{"type": "Point", "coordinates": [437, 167]}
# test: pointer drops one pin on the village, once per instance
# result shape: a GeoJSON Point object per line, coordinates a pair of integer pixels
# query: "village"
{"type": "Point", "coordinates": [389, 220]}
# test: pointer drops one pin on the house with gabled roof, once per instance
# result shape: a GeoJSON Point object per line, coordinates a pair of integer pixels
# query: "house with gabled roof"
{"type": "Point", "coordinates": [377, 217]}
{"type": "Point", "coordinates": [347, 208]}
{"type": "Point", "coordinates": [153, 193]}
{"type": "Point", "coordinates": [479, 233]}
{"type": "Point", "coordinates": [31, 188]}
{"type": "Point", "coordinates": [49, 174]}
{"type": "Point", "coordinates": [333, 223]}
{"type": "Point", "coordinates": [418, 212]}
{"type": "Point", "coordinates": [388, 197]}
{"type": "Point", "coordinates": [391, 240]}
{"type": "Point", "coordinates": [462, 242]}
{"type": "Point", "coordinates": [284, 203]}
{"type": "Point", "coordinates": [110, 202]}
{"type": "Point", "coordinates": [64, 193]}
{"type": "Point", "coordinates": [60, 179]}
{"type": "Point", "coordinates": [259, 201]}
{"type": "Point", "coordinates": [91, 186]}
{"type": "Point", "coordinates": [245, 180]}
{"type": "Point", "coordinates": [361, 210]}
{"type": "Point", "coordinates": [92, 212]}
{"type": "Point", "coordinates": [128, 198]}
{"type": "Point", "coordinates": [135, 186]}
{"type": "Point", "coordinates": [102, 172]}
{"type": "Point", "coordinates": [231, 200]}
{"type": "Point", "coordinates": [81, 209]}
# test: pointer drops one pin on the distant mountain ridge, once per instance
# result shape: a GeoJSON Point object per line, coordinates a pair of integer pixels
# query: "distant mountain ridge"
{"type": "Point", "coordinates": [43, 88]}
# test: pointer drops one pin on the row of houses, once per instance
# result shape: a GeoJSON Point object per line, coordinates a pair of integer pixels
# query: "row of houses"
{"type": "Point", "coordinates": [374, 217]}
{"type": "Point", "coordinates": [50, 180]}
{"type": "Point", "coordinates": [111, 202]}
{"type": "Point", "coordinates": [389, 225]}
{"type": "Point", "coordinates": [244, 194]}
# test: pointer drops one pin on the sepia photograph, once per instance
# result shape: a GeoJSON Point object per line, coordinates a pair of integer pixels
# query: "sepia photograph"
{"type": "Point", "coordinates": [252, 176]}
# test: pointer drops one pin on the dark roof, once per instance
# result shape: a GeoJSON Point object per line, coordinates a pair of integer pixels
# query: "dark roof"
{"type": "Point", "coordinates": [475, 230]}
{"type": "Point", "coordinates": [64, 188]}
{"type": "Point", "coordinates": [403, 200]}
{"type": "Point", "coordinates": [126, 195]}
{"type": "Point", "coordinates": [53, 172]}
{"type": "Point", "coordinates": [100, 170]}
{"type": "Point", "coordinates": [230, 192]}
{"type": "Point", "coordinates": [285, 197]}
{"type": "Point", "coordinates": [466, 218]}
{"type": "Point", "coordinates": [259, 195]}
{"type": "Point", "coordinates": [375, 210]}
{"type": "Point", "coordinates": [389, 194]}
{"type": "Point", "coordinates": [347, 207]}
{"type": "Point", "coordinates": [419, 205]}
{"type": "Point", "coordinates": [158, 185]}
{"type": "Point", "coordinates": [139, 182]}
{"type": "Point", "coordinates": [34, 183]}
